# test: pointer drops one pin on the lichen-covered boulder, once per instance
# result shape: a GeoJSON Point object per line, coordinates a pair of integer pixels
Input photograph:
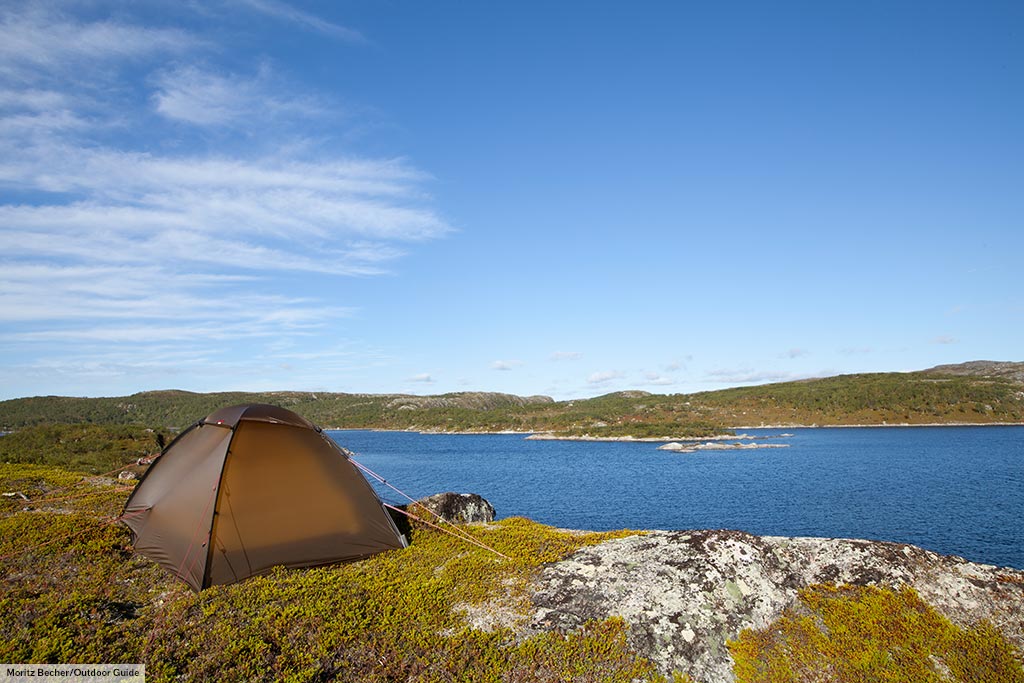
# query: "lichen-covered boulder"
{"type": "Point", "coordinates": [462, 508]}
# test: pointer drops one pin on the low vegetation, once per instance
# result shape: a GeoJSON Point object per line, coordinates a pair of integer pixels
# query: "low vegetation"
{"type": "Point", "coordinates": [75, 593]}
{"type": "Point", "coordinates": [72, 591]}
{"type": "Point", "coordinates": [854, 634]}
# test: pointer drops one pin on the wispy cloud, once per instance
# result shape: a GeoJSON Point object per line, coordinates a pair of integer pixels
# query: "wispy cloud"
{"type": "Point", "coordinates": [36, 39]}
{"type": "Point", "coordinates": [603, 377]}
{"type": "Point", "coordinates": [126, 219]}
{"type": "Point", "coordinates": [748, 376]}
{"type": "Point", "coordinates": [566, 355]}
{"type": "Point", "coordinates": [794, 353]}
{"type": "Point", "coordinates": [506, 365]}
{"type": "Point", "coordinates": [280, 10]}
{"type": "Point", "coordinates": [945, 339]}
{"type": "Point", "coordinates": [422, 378]}
{"type": "Point", "coordinates": [196, 96]}
{"type": "Point", "coordinates": [204, 97]}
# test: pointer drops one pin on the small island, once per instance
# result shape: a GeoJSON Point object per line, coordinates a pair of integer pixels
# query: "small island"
{"type": "Point", "coordinates": [678, 447]}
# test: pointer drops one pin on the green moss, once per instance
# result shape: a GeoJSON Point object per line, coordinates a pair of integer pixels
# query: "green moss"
{"type": "Point", "coordinates": [853, 634]}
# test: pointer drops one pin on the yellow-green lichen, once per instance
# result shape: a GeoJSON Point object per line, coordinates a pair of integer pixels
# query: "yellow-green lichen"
{"type": "Point", "coordinates": [866, 634]}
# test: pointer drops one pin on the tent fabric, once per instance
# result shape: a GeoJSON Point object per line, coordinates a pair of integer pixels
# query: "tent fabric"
{"type": "Point", "coordinates": [249, 488]}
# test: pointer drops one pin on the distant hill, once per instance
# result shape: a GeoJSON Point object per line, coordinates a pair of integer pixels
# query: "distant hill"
{"type": "Point", "coordinates": [983, 368]}
{"type": "Point", "coordinates": [178, 409]}
{"type": "Point", "coordinates": [976, 392]}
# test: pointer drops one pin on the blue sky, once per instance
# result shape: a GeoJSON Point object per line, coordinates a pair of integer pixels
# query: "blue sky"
{"type": "Point", "coordinates": [540, 198]}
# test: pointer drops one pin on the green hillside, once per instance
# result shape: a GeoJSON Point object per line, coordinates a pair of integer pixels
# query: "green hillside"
{"type": "Point", "coordinates": [978, 392]}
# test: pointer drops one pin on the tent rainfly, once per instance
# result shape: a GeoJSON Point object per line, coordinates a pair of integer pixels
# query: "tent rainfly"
{"type": "Point", "coordinates": [251, 487]}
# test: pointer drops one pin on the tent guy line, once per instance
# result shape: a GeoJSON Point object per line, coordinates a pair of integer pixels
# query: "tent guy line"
{"type": "Point", "coordinates": [463, 534]}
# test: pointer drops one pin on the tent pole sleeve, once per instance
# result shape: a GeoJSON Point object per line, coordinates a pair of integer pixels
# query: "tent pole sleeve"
{"type": "Point", "coordinates": [205, 583]}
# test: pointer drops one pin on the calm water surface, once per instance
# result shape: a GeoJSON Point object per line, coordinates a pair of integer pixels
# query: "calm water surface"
{"type": "Point", "coordinates": [956, 490]}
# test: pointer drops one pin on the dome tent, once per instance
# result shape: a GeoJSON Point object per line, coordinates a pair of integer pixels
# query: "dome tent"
{"type": "Point", "coordinates": [251, 487]}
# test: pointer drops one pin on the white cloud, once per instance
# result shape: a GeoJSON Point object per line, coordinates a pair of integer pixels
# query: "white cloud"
{"type": "Point", "coordinates": [195, 96]}
{"type": "Point", "coordinates": [31, 99]}
{"type": "Point", "coordinates": [945, 339]}
{"type": "Point", "coordinates": [794, 353]}
{"type": "Point", "coordinates": [506, 365]}
{"type": "Point", "coordinates": [37, 39]}
{"type": "Point", "coordinates": [75, 304]}
{"type": "Point", "coordinates": [566, 355]}
{"type": "Point", "coordinates": [603, 377]}
{"type": "Point", "coordinates": [749, 376]}
{"type": "Point", "coordinates": [134, 192]}
{"type": "Point", "coordinates": [206, 98]}
{"type": "Point", "coordinates": [655, 379]}
{"type": "Point", "coordinates": [424, 378]}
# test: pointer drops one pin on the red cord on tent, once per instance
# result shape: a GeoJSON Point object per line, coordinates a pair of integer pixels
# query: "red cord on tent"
{"type": "Point", "coordinates": [463, 534]}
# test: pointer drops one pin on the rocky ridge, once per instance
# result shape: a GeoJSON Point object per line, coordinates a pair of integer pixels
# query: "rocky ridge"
{"type": "Point", "coordinates": [983, 368]}
{"type": "Point", "coordinates": [471, 400]}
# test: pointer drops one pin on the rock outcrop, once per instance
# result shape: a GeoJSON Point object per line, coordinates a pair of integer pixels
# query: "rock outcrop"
{"type": "Point", "coordinates": [461, 508]}
{"type": "Point", "coordinates": [686, 593]}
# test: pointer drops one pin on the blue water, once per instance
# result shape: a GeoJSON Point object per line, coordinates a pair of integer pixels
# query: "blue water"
{"type": "Point", "coordinates": [955, 490]}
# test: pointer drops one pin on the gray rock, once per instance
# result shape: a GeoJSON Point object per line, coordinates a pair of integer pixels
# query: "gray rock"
{"type": "Point", "coordinates": [686, 593]}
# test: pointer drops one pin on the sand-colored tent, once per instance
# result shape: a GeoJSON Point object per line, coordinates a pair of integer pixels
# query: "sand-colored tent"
{"type": "Point", "coordinates": [251, 487]}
